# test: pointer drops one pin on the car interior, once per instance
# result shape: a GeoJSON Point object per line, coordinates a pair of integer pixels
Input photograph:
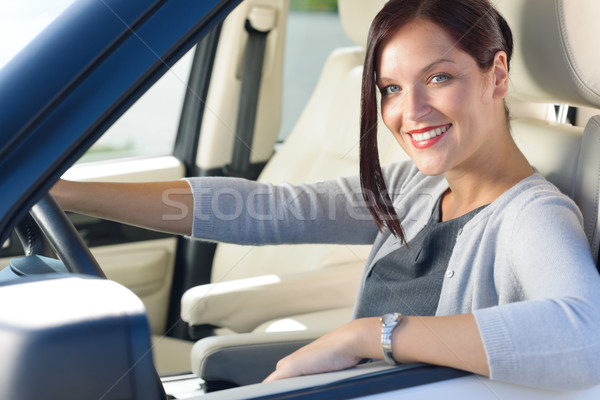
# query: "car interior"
{"type": "Point", "coordinates": [253, 305]}
{"type": "Point", "coordinates": [316, 294]}
{"type": "Point", "coordinates": [273, 310]}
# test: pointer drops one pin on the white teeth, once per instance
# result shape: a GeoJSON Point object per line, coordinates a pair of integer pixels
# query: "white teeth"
{"type": "Point", "coordinates": [430, 134]}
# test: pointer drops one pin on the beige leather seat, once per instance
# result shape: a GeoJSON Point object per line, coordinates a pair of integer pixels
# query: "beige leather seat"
{"type": "Point", "coordinates": [562, 71]}
{"type": "Point", "coordinates": [255, 285]}
{"type": "Point", "coordinates": [314, 287]}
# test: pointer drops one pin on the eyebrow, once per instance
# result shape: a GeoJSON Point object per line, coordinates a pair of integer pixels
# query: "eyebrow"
{"type": "Point", "coordinates": [424, 69]}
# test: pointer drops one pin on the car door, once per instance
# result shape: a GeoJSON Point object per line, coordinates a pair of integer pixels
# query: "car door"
{"type": "Point", "coordinates": [184, 125]}
{"type": "Point", "coordinates": [138, 147]}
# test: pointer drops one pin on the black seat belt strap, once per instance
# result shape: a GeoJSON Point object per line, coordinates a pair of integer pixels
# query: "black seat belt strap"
{"type": "Point", "coordinates": [252, 67]}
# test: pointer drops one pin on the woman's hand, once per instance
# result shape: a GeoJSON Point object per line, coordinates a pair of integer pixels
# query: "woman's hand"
{"type": "Point", "coordinates": [340, 349]}
{"type": "Point", "coordinates": [452, 341]}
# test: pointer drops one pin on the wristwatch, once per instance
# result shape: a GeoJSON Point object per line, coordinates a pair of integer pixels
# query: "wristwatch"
{"type": "Point", "coordinates": [388, 323]}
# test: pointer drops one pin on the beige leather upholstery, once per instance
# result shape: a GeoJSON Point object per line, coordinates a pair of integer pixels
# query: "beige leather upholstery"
{"type": "Point", "coordinates": [559, 72]}
{"type": "Point", "coordinates": [555, 62]}
{"type": "Point", "coordinates": [217, 133]}
{"type": "Point", "coordinates": [554, 57]}
{"type": "Point", "coordinates": [587, 188]}
{"type": "Point", "coordinates": [221, 302]}
{"type": "Point", "coordinates": [356, 16]}
{"type": "Point", "coordinates": [319, 147]}
{"type": "Point", "coordinates": [322, 145]}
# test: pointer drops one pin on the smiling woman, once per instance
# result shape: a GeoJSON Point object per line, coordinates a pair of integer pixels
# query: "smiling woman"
{"type": "Point", "coordinates": [449, 115]}
{"type": "Point", "coordinates": [449, 49]}
{"type": "Point", "coordinates": [443, 78]}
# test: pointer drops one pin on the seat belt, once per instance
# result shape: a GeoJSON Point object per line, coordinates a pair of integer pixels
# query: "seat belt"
{"type": "Point", "coordinates": [260, 21]}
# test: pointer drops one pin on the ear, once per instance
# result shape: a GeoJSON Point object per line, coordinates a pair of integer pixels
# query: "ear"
{"type": "Point", "coordinates": [500, 75]}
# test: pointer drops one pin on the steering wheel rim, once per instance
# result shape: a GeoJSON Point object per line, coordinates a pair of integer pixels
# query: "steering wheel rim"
{"type": "Point", "coordinates": [32, 239]}
{"type": "Point", "coordinates": [54, 227]}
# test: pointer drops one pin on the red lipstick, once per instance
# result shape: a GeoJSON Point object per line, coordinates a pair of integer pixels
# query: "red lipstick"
{"type": "Point", "coordinates": [426, 137]}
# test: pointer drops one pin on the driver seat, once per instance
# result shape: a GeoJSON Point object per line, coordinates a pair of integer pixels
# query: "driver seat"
{"type": "Point", "coordinates": [560, 72]}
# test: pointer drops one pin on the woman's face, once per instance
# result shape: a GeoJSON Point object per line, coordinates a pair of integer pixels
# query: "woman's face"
{"type": "Point", "coordinates": [444, 111]}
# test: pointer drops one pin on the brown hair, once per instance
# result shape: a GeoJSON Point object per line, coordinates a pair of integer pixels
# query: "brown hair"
{"type": "Point", "coordinates": [477, 28]}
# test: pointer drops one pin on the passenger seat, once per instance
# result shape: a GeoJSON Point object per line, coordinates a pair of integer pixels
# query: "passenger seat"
{"type": "Point", "coordinates": [255, 285]}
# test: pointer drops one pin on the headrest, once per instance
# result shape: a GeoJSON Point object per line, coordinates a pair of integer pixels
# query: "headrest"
{"type": "Point", "coordinates": [555, 58]}
{"type": "Point", "coordinates": [356, 17]}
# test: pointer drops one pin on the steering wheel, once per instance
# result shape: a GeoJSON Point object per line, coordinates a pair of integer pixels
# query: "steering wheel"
{"type": "Point", "coordinates": [47, 230]}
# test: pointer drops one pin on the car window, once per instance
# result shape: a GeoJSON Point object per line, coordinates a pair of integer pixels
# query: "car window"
{"type": "Point", "coordinates": [309, 22]}
{"type": "Point", "coordinates": [150, 125]}
{"type": "Point", "coordinates": [21, 21]}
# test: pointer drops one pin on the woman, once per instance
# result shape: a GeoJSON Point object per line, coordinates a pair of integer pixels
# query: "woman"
{"type": "Point", "coordinates": [482, 263]}
{"type": "Point", "coordinates": [442, 71]}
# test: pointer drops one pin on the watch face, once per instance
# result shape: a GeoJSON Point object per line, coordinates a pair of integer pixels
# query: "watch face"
{"type": "Point", "coordinates": [389, 318]}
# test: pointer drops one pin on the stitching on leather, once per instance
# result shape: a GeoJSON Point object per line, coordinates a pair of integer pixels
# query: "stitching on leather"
{"type": "Point", "coordinates": [594, 222]}
{"type": "Point", "coordinates": [29, 234]}
{"type": "Point", "coordinates": [573, 69]}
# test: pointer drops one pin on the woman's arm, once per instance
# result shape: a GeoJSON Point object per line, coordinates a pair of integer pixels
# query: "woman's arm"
{"type": "Point", "coordinates": [549, 320]}
{"type": "Point", "coordinates": [451, 341]}
{"type": "Point", "coordinates": [230, 209]}
{"type": "Point", "coordinates": [162, 206]}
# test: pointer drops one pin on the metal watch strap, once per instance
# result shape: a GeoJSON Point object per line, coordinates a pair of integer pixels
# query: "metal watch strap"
{"type": "Point", "coordinates": [388, 323]}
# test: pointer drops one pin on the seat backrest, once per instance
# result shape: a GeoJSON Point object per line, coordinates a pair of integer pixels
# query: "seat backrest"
{"type": "Point", "coordinates": [322, 145]}
{"type": "Point", "coordinates": [554, 62]}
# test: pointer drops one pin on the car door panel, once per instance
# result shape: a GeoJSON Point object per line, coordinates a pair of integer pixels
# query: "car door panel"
{"type": "Point", "coordinates": [141, 260]}
{"type": "Point", "coordinates": [146, 268]}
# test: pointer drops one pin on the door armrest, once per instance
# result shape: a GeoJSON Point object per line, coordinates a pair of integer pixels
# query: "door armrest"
{"type": "Point", "coordinates": [246, 358]}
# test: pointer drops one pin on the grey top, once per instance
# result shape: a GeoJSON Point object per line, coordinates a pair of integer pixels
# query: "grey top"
{"type": "Point", "coordinates": [409, 279]}
{"type": "Point", "coordinates": [522, 265]}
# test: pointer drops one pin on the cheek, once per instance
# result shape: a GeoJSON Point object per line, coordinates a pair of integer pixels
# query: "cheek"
{"type": "Point", "coordinates": [402, 140]}
{"type": "Point", "coordinates": [389, 124]}
{"type": "Point", "coordinates": [391, 114]}
{"type": "Point", "coordinates": [472, 95]}
{"type": "Point", "coordinates": [453, 102]}
{"type": "Point", "coordinates": [393, 122]}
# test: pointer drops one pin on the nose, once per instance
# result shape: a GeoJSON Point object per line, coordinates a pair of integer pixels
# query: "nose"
{"type": "Point", "coordinates": [415, 103]}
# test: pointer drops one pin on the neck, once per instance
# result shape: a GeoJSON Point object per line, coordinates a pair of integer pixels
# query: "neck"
{"type": "Point", "coordinates": [485, 181]}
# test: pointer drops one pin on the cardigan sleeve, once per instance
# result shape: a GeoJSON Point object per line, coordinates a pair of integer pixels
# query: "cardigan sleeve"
{"type": "Point", "coordinates": [551, 339]}
{"type": "Point", "coordinates": [240, 211]}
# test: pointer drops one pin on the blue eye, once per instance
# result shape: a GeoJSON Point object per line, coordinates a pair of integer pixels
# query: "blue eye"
{"type": "Point", "coordinates": [439, 78]}
{"type": "Point", "coordinates": [390, 89]}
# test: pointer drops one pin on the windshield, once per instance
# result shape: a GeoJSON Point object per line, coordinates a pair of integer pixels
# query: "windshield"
{"type": "Point", "coordinates": [21, 21]}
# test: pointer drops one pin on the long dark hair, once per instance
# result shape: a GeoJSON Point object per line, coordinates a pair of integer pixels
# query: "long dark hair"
{"type": "Point", "coordinates": [477, 28]}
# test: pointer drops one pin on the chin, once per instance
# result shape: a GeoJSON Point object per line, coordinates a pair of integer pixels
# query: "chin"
{"type": "Point", "coordinates": [430, 170]}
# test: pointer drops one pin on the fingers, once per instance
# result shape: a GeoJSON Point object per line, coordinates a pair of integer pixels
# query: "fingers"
{"type": "Point", "coordinates": [333, 352]}
{"type": "Point", "coordinates": [282, 371]}
{"type": "Point", "coordinates": [272, 377]}
{"type": "Point", "coordinates": [304, 361]}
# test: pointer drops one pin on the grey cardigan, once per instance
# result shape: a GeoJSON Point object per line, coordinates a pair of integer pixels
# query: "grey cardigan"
{"type": "Point", "coordinates": [522, 266]}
